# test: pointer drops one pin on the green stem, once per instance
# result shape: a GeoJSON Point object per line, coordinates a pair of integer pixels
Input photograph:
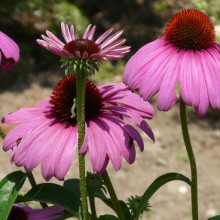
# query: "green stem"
{"type": "Point", "coordinates": [92, 206]}
{"type": "Point", "coordinates": [186, 137]}
{"type": "Point", "coordinates": [33, 183]}
{"type": "Point", "coordinates": [80, 112]}
{"type": "Point", "coordinates": [113, 196]}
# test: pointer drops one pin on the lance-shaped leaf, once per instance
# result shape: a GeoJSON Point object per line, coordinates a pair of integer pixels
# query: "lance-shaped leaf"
{"type": "Point", "coordinates": [9, 189]}
{"type": "Point", "coordinates": [160, 181]}
{"type": "Point", "coordinates": [56, 194]}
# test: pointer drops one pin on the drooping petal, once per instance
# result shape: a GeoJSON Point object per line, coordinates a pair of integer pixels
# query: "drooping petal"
{"type": "Point", "coordinates": [134, 134]}
{"type": "Point", "coordinates": [24, 114]}
{"type": "Point", "coordinates": [134, 117]}
{"type": "Point", "coordinates": [112, 150]}
{"type": "Point", "coordinates": [15, 135]}
{"type": "Point", "coordinates": [67, 155]}
{"type": "Point", "coordinates": [122, 140]}
{"type": "Point", "coordinates": [96, 145]}
{"type": "Point", "coordinates": [211, 65]}
{"type": "Point", "coordinates": [53, 153]}
{"type": "Point", "coordinates": [110, 89]}
{"type": "Point", "coordinates": [133, 72]}
{"type": "Point", "coordinates": [167, 94]}
{"type": "Point", "coordinates": [27, 144]}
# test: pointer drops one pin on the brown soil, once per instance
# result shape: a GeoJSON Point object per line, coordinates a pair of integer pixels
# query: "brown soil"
{"type": "Point", "coordinates": [167, 154]}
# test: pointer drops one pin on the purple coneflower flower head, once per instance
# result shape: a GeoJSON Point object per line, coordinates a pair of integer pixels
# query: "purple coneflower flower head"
{"type": "Point", "coordinates": [106, 47]}
{"type": "Point", "coordinates": [20, 212]}
{"type": "Point", "coordinates": [47, 133]}
{"type": "Point", "coordinates": [187, 55]}
{"type": "Point", "coordinates": [9, 52]}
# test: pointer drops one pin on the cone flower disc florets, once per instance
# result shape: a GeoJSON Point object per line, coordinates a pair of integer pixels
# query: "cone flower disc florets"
{"type": "Point", "coordinates": [190, 30]}
{"type": "Point", "coordinates": [187, 55]}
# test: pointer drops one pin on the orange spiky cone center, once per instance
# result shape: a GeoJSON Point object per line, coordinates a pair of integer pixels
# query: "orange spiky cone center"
{"type": "Point", "coordinates": [190, 30]}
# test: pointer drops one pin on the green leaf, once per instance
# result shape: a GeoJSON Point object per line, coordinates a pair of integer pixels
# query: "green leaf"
{"type": "Point", "coordinates": [9, 189]}
{"type": "Point", "coordinates": [56, 194]}
{"type": "Point", "coordinates": [107, 217]}
{"type": "Point", "coordinates": [123, 205]}
{"type": "Point", "coordinates": [72, 185]}
{"type": "Point", "coordinates": [22, 199]}
{"type": "Point", "coordinates": [160, 181]}
{"type": "Point", "coordinates": [217, 217]}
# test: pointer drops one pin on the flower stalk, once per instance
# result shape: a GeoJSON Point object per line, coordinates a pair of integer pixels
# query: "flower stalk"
{"type": "Point", "coordinates": [113, 196]}
{"type": "Point", "coordinates": [80, 110]}
{"type": "Point", "coordinates": [33, 183]}
{"type": "Point", "coordinates": [187, 141]}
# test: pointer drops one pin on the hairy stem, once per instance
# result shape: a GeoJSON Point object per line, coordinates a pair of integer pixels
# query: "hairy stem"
{"type": "Point", "coordinates": [189, 149]}
{"type": "Point", "coordinates": [80, 111]}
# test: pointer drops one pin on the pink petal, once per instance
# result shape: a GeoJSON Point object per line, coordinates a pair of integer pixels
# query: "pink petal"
{"type": "Point", "coordinates": [55, 39]}
{"type": "Point", "coordinates": [51, 153]}
{"type": "Point", "coordinates": [72, 32]}
{"type": "Point", "coordinates": [91, 34]}
{"type": "Point", "coordinates": [9, 48]}
{"type": "Point", "coordinates": [167, 95]}
{"type": "Point", "coordinates": [86, 32]}
{"type": "Point", "coordinates": [23, 115]}
{"type": "Point", "coordinates": [203, 94]}
{"type": "Point", "coordinates": [17, 133]}
{"type": "Point", "coordinates": [111, 39]}
{"type": "Point", "coordinates": [103, 36]}
{"type": "Point", "coordinates": [134, 118]}
{"type": "Point", "coordinates": [28, 143]}
{"type": "Point", "coordinates": [121, 138]}
{"type": "Point", "coordinates": [131, 131]}
{"type": "Point", "coordinates": [35, 152]}
{"type": "Point", "coordinates": [111, 89]}
{"type": "Point", "coordinates": [112, 150]}
{"type": "Point", "coordinates": [97, 145]}
{"type": "Point", "coordinates": [65, 158]}
{"type": "Point", "coordinates": [135, 71]}
{"type": "Point", "coordinates": [66, 32]}
{"type": "Point", "coordinates": [211, 64]}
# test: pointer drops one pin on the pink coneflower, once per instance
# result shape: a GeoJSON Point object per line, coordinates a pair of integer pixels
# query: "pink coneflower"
{"type": "Point", "coordinates": [20, 212]}
{"type": "Point", "coordinates": [9, 52]}
{"type": "Point", "coordinates": [106, 47]}
{"type": "Point", "coordinates": [47, 133]}
{"type": "Point", "coordinates": [187, 55]}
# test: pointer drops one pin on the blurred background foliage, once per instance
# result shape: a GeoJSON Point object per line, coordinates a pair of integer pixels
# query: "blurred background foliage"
{"type": "Point", "coordinates": [143, 21]}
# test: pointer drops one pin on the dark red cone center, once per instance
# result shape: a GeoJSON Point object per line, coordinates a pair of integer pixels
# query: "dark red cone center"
{"type": "Point", "coordinates": [190, 30]}
{"type": "Point", "coordinates": [63, 100]}
{"type": "Point", "coordinates": [82, 46]}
